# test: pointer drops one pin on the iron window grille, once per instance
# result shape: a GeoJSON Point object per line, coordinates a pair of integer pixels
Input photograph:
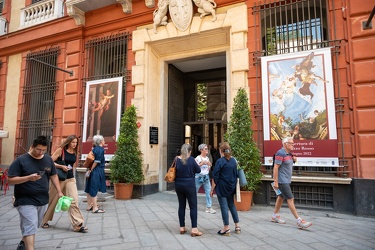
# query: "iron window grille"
{"type": "Point", "coordinates": [38, 99]}
{"type": "Point", "coordinates": [106, 57]}
{"type": "Point", "coordinates": [293, 25]}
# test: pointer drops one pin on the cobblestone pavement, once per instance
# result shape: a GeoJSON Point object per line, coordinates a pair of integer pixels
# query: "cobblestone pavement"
{"type": "Point", "coordinates": [152, 223]}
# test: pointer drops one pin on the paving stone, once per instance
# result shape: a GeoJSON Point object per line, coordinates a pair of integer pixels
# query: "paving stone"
{"type": "Point", "coordinates": [151, 223]}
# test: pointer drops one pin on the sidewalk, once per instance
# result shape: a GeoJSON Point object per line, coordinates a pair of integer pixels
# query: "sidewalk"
{"type": "Point", "coordinates": [152, 223]}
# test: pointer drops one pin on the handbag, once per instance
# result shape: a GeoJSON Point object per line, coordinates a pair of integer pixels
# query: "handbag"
{"type": "Point", "coordinates": [242, 177]}
{"type": "Point", "coordinates": [170, 176]}
{"type": "Point", "coordinates": [61, 173]}
{"type": "Point", "coordinates": [89, 160]}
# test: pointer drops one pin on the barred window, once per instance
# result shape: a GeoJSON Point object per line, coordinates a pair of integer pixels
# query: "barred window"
{"type": "Point", "coordinates": [106, 57]}
{"type": "Point", "coordinates": [38, 98]}
{"type": "Point", "coordinates": [293, 25]}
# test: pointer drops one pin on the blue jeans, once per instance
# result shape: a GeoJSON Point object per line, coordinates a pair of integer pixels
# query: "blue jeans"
{"type": "Point", "coordinates": [225, 203]}
{"type": "Point", "coordinates": [207, 187]}
{"type": "Point", "coordinates": [187, 193]}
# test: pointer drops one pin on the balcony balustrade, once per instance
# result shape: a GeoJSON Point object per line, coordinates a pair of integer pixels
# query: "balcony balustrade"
{"type": "Point", "coordinates": [41, 12]}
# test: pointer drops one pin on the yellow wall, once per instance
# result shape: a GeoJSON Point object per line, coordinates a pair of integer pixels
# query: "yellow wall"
{"type": "Point", "coordinates": [15, 16]}
{"type": "Point", "coordinates": [11, 106]}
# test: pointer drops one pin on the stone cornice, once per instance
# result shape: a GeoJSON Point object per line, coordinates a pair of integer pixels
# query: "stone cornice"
{"type": "Point", "coordinates": [79, 14]}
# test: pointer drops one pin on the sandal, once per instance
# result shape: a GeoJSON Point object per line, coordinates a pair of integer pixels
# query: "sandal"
{"type": "Point", "coordinates": [45, 225]}
{"type": "Point", "coordinates": [237, 230]}
{"type": "Point", "coordinates": [81, 230]}
{"type": "Point", "coordinates": [89, 209]}
{"type": "Point", "coordinates": [225, 233]}
{"type": "Point", "coordinates": [99, 211]}
{"type": "Point", "coordinates": [193, 234]}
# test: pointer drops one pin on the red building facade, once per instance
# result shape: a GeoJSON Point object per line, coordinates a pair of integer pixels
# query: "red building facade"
{"type": "Point", "coordinates": [156, 66]}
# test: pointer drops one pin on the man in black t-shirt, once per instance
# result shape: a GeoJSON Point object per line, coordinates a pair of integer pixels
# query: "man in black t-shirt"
{"type": "Point", "coordinates": [30, 174]}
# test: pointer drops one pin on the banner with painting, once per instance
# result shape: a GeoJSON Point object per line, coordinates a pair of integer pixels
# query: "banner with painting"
{"type": "Point", "coordinates": [102, 114]}
{"type": "Point", "coordinates": [298, 101]}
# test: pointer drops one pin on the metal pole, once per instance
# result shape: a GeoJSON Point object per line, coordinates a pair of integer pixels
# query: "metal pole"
{"type": "Point", "coordinates": [53, 66]}
{"type": "Point", "coordinates": [367, 25]}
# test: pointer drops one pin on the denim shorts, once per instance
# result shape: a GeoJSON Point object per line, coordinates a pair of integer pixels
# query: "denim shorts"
{"type": "Point", "coordinates": [286, 191]}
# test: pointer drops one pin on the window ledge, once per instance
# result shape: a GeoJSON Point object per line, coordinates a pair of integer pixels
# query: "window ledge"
{"type": "Point", "coordinates": [313, 179]}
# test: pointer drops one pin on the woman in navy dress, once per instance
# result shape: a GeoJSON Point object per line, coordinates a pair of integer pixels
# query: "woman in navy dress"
{"type": "Point", "coordinates": [96, 181]}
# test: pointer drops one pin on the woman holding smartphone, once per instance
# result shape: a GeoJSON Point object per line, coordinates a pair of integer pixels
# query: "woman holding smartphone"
{"type": "Point", "coordinates": [68, 153]}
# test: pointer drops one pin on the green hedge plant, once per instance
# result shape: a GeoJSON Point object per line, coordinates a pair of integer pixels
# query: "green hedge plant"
{"type": "Point", "coordinates": [126, 165]}
{"type": "Point", "coordinates": [240, 138]}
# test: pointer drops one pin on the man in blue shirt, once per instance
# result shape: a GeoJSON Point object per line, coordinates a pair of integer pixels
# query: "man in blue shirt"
{"type": "Point", "coordinates": [282, 176]}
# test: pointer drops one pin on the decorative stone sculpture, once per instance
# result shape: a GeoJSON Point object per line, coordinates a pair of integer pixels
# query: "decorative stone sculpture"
{"type": "Point", "coordinates": [160, 14]}
{"type": "Point", "coordinates": [181, 12]}
{"type": "Point", "coordinates": [206, 7]}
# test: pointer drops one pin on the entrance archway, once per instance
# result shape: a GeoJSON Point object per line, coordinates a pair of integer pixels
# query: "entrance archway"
{"type": "Point", "coordinates": [153, 54]}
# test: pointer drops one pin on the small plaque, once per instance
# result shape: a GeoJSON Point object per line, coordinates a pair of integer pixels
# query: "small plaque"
{"type": "Point", "coordinates": [154, 135]}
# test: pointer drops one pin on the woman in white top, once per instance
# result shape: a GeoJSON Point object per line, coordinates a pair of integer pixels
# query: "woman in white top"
{"type": "Point", "coordinates": [203, 177]}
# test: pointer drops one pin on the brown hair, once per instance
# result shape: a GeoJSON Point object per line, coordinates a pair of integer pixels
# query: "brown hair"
{"type": "Point", "coordinates": [225, 149]}
{"type": "Point", "coordinates": [69, 139]}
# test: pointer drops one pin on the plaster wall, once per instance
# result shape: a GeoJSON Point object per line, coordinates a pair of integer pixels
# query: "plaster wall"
{"type": "Point", "coordinates": [361, 44]}
{"type": "Point", "coordinates": [10, 108]}
{"type": "Point", "coordinates": [15, 15]}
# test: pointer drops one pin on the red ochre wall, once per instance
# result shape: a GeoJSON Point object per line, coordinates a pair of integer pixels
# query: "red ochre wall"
{"type": "Point", "coordinates": [354, 83]}
{"type": "Point", "coordinates": [361, 89]}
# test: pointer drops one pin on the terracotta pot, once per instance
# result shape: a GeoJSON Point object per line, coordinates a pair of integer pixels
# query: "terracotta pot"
{"type": "Point", "coordinates": [123, 191]}
{"type": "Point", "coordinates": [246, 200]}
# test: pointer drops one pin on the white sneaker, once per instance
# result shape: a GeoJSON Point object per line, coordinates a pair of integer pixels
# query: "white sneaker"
{"type": "Point", "coordinates": [277, 219]}
{"type": "Point", "coordinates": [210, 210]}
{"type": "Point", "coordinates": [302, 224]}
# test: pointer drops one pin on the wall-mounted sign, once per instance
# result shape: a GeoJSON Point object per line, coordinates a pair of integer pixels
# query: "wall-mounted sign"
{"type": "Point", "coordinates": [154, 134]}
{"type": "Point", "coordinates": [102, 114]}
{"type": "Point", "coordinates": [298, 102]}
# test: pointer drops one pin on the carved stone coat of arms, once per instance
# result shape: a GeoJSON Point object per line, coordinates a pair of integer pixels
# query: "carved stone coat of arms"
{"type": "Point", "coordinates": [181, 12]}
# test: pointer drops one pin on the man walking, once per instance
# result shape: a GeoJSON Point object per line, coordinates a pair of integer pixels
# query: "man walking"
{"type": "Point", "coordinates": [282, 176]}
{"type": "Point", "coordinates": [30, 174]}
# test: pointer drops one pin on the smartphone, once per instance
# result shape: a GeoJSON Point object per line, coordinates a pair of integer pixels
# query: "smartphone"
{"type": "Point", "coordinates": [41, 173]}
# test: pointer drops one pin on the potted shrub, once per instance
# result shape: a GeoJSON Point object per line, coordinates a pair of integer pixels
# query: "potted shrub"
{"type": "Point", "coordinates": [244, 149]}
{"type": "Point", "coordinates": [126, 165]}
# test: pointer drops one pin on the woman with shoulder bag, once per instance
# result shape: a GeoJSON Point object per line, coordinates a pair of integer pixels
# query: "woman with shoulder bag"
{"type": "Point", "coordinates": [65, 158]}
{"type": "Point", "coordinates": [96, 180]}
{"type": "Point", "coordinates": [225, 180]}
{"type": "Point", "coordinates": [186, 168]}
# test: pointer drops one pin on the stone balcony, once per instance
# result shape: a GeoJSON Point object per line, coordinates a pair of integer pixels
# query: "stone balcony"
{"type": "Point", "coordinates": [41, 12]}
{"type": "Point", "coordinates": [77, 8]}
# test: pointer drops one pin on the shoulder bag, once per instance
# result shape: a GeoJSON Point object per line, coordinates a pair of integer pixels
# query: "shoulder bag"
{"type": "Point", "coordinates": [89, 160]}
{"type": "Point", "coordinates": [170, 176]}
{"type": "Point", "coordinates": [61, 173]}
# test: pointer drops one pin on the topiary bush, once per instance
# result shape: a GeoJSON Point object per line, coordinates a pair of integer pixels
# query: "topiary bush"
{"type": "Point", "coordinates": [240, 138]}
{"type": "Point", "coordinates": [126, 165]}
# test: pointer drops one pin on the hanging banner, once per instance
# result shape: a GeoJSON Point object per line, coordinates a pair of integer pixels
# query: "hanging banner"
{"type": "Point", "coordinates": [298, 102]}
{"type": "Point", "coordinates": [102, 114]}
